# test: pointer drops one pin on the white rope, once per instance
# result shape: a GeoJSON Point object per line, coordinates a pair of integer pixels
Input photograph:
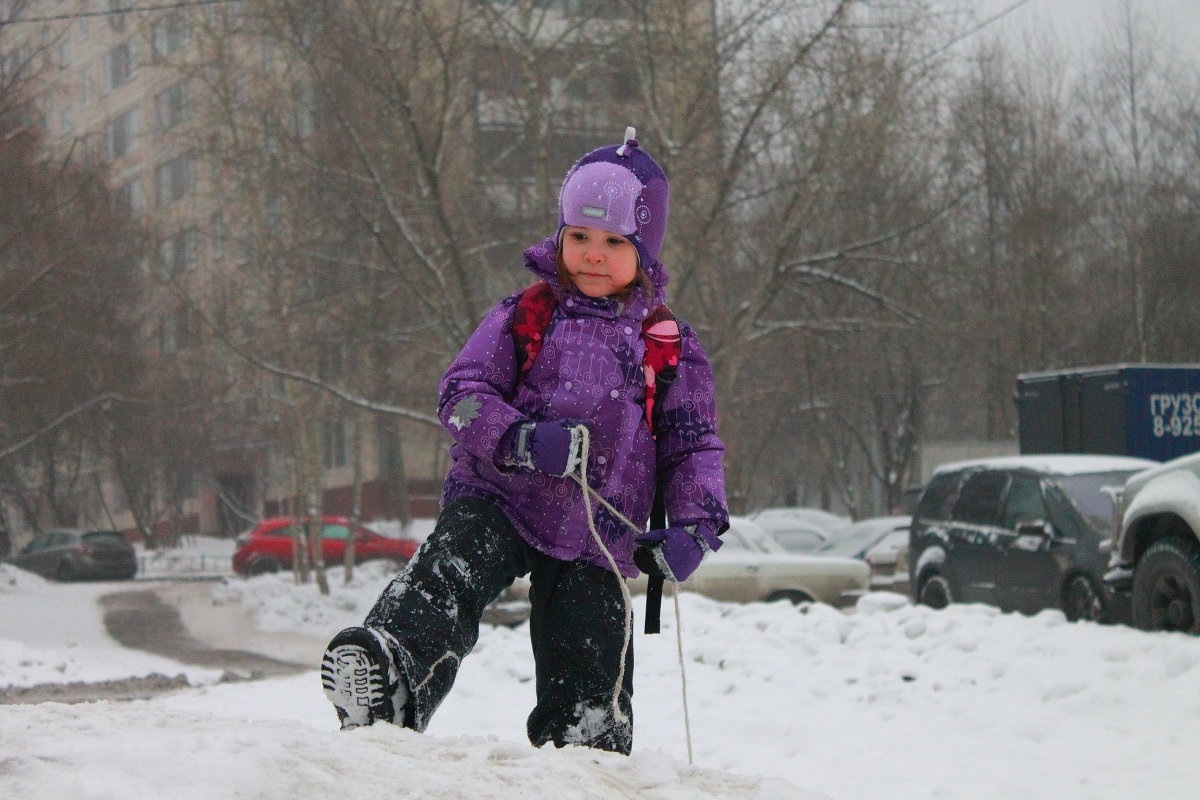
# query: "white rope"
{"type": "Point", "coordinates": [687, 720]}
{"type": "Point", "coordinates": [618, 714]}
{"type": "Point", "coordinates": [588, 494]}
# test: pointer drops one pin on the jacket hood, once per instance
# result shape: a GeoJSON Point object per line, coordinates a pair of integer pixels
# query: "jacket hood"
{"type": "Point", "coordinates": [540, 260]}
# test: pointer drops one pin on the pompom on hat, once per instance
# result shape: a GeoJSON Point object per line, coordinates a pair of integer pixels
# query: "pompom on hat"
{"type": "Point", "coordinates": [619, 188]}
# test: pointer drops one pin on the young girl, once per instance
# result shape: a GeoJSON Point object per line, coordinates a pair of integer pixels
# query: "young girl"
{"type": "Point", "coordinates": [512, 504]}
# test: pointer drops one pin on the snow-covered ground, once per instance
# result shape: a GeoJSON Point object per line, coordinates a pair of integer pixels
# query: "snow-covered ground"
{"type": "Point", "coordinates": [889, 701]}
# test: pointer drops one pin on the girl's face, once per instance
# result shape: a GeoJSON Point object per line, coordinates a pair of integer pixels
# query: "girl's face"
{"type": "Point", "coordinates": [600, 262]}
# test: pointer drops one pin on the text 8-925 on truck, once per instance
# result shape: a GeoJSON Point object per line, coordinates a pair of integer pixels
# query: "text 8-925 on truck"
{"type": "Point", "coordinates": [1155, 563]}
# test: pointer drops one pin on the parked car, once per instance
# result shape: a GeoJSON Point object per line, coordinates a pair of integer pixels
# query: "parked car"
{"type": "Point", "coordinates": [888, 560]}
{"type": "Point", "coordinates": [752, 566]}
{"type": "Point", "coordinates": [856, 539]}
{"type": "Point", "coordinates": [861, 540]}
{"type": "Point", "coordinates": [1024, 533]}
{"type": "Point", "coordinates": [1155, 565]}
{"type": "Point", "coordinates": [800, 530]}
{"type": "Point", "coordinates": [68, 554]}
{"type": "Point", "coordinates": [267, 547]}
{"type": "Point", "coordinates": [909, 498]}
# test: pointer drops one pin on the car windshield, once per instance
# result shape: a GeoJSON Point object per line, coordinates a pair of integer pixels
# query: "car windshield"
{"type": "Point", "coordinates": [854, 541]}
{"type": "Point", "coordinates": [104, 538]}
{"type": "Point", "coordinates": [749, 537]}
{"type": "Point", "coordinates": [1091, 496]}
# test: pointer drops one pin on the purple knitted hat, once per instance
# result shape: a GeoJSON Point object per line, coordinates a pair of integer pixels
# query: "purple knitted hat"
{"type": "Point", "coordinates": [621, 189]}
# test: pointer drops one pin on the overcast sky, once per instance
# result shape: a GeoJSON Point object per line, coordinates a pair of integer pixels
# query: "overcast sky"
{"type": "Point", "coordinates": [1080, 24]}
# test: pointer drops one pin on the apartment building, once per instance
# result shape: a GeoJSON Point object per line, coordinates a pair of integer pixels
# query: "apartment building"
{"type": "Point", "coordinates": [139, 87]}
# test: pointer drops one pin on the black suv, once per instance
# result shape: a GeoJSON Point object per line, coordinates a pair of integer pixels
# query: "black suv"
{"type": "Point", "coordinates": [67, 554]}
{"type": "Point", "coordinates": [1024, 533]}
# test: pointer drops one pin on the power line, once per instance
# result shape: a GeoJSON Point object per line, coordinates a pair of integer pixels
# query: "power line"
{"type": "Point", "coordinates": [112, 12]}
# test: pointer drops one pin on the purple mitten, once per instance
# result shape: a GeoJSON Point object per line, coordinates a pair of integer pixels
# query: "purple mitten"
{"type": "Point", "coordinates": [674, 553]}
{"type": "Point", "coordinates": [554, 448]}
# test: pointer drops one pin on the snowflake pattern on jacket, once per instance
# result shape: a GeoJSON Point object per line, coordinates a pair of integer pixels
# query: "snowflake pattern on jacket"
{"type": "Point", "coordinates": [589, 368]}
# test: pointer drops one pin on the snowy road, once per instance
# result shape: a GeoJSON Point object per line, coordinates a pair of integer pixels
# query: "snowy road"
{"type": "Point", "coordinates": [150, 619]}
{"type": "Point", "coordinates": [143, 620]}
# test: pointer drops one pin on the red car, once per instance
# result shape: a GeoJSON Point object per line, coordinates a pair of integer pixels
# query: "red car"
{"type": "Point", "coordinates": [267, 547]}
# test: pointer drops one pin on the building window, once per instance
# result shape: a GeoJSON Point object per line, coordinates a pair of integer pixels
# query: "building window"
{"type": "Point", "coordinates": [171, 33]}
{"type": "Point", "coordinates": [119, 502]}
{"type": "Point", "coordinates": [333, 446]}
{"type": "Point", "coordinates": [306, 111]}
{"type": "Point", "coordinates": [173, 180]}
{"type": "Point", "coordinates": [230, 13]}
{"type": "Point", "coordinates": [119, 65]}
{"type": "Point", "coordinates": [177, 331]}
{"type": "Point", "coordinates": [176, 254]}
{"type": "Point", "coordinates": [116, 17]}
{"type": "Point", "coordinates": [184, 481]}
{"type": "Point", "coordinates": [121, 135]}
{"type": "Point", "coordinates": [217, 231]}
{"type": "Point", "coordinates": [171, 106]}
{"type": "Point", "coordinates": [85, 87]}
{"type": "Point", "coordinates": [243, 250]}
{"type": "Point", "coordinates": [129, 200]}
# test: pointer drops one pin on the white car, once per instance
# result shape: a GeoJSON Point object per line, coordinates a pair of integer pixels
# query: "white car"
{"type": "Point", "coordinates": [801, 530]}
{"type": "Point", "coordinates": [752, 566]}
{"type": "Point", "coordinates": [1155, 562]}
{"type": "Point", "coordinates": [883, 543]}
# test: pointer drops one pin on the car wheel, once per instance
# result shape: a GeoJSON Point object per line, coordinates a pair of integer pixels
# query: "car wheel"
{"type": "Point", "coordinates": [934, 591]}
{"type": "Point", "coordinates": [792, 596]}
{"type": "Point", "coordinates": [263, 566]}
{"type": "Point", "coordinates": [1166, 587]}
{"type": "Point", "coordinates": [1082, 600]}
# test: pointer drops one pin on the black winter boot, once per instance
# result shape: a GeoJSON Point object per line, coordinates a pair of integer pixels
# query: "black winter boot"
{"type": "Point", "coordinates": [360, 678]}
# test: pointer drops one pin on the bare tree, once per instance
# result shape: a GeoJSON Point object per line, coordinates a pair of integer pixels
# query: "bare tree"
{"type": "Point", "coordinates": [1135, 107]}
{"type": "Point", "coordinates": [68, 321]}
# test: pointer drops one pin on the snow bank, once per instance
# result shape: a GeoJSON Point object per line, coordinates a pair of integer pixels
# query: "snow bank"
{"type": "Point", "coordinates": [137, 752]}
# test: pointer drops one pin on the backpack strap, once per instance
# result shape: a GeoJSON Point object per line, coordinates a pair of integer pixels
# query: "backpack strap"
{"type": "Point", "coordinates": [534, 310]}
{"type": "Point", "coordinates": [660, 364]}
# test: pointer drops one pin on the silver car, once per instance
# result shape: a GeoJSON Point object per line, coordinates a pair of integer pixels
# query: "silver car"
{"type": "Point", "coordinates": [752, 566]}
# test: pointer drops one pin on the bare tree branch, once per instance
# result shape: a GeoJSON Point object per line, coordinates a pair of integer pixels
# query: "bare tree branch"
{"type": "Point", "coordinates": [300, 377]}
{"type": "Point", "coordinates": [108, 397]}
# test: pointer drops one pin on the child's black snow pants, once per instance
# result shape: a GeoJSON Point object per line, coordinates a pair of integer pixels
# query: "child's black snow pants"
{"type": "Point", "coordinates": [577, 626]}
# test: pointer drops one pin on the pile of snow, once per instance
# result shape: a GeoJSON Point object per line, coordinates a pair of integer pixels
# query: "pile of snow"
{"type": "Point", "coordinates": [280, 605]}
{"type": "Point", "coordinates": [137, 752]}
{"type": "Point", "coordinates": [14, 580]}
{"type": "Point", "coordinates": [891, 701]}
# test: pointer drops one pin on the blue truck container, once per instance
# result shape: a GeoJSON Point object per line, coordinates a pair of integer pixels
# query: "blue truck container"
{"type": "Point", "coordinates": [1144, 410]}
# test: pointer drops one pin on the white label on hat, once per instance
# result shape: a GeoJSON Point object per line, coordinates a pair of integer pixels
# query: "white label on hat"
{"type": "Point", "coordinates": [593, 211]}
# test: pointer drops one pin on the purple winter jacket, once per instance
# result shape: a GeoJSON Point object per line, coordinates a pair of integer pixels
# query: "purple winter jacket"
{"type": "Point", "coordinates": [590, 369]}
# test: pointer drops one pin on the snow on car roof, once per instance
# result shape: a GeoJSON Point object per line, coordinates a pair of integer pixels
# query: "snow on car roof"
{"type": "Point", "coordinates": [1055, 464]}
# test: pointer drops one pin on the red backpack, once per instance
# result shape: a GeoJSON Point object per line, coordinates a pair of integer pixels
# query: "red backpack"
{"type": "Point", "coordinates": [660, 332]}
